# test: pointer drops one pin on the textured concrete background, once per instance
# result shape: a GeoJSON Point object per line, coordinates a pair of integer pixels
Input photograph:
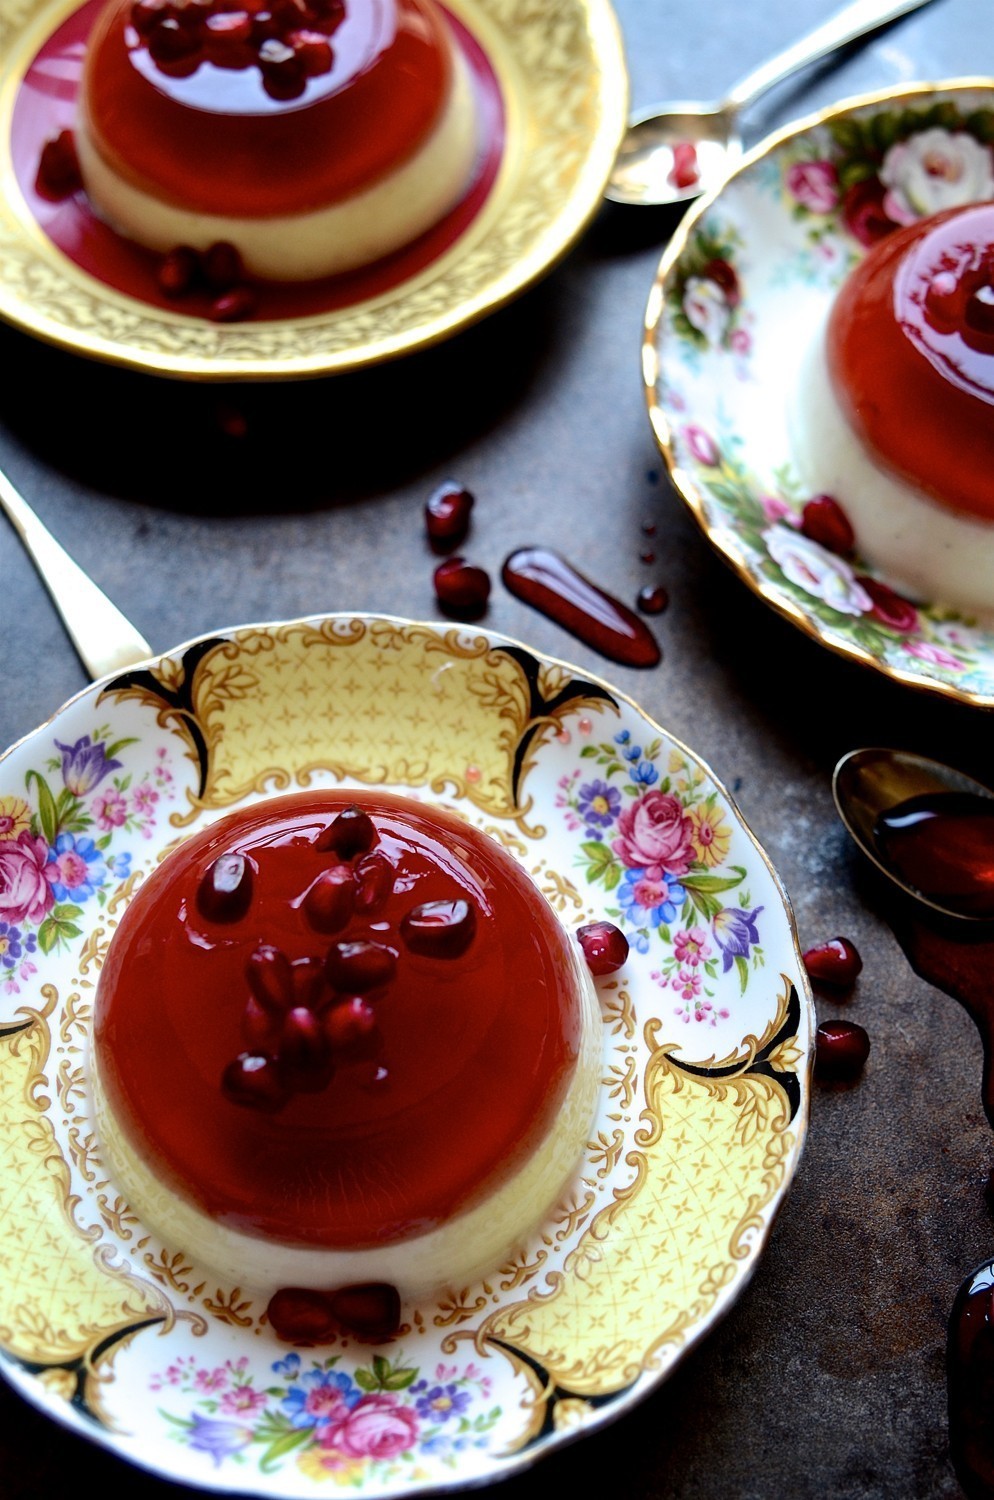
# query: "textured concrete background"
{"type": "Point", "coordinates": [827, 1378]}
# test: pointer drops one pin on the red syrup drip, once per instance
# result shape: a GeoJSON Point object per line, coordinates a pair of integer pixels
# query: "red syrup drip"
{"type": "Point", "coordinates": [550, 584]}
{"type": "Point", "coordinates": [942, 844]}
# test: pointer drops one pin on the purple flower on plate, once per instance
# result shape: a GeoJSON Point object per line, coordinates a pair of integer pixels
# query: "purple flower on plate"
{"type": "Point", "coordinates": [440, 1401]}
{"type": "Point", "coordinates": [13, 944]}
{"type": "Point", "coordinates": [84, 765]}
{"type": "Point", "coordinates": [219, 1439]}
{"type": "Point", "coordinates": [735, 932]}
{"type": "Point", "coordinates": [599, 804]}
{"type": "Point", "coordinates": [319, 1397]}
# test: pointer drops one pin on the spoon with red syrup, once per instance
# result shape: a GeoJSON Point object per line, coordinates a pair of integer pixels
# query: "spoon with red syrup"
{"type": "Point", "coordinates": [929, 829]}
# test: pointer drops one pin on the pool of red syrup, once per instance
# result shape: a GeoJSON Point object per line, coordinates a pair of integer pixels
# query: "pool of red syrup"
{"type": "Point", "coordinates": [478, 1050]}
{"type": "Point", "coordinates": [911, 356]}
{"type": "Point", "coordinates": [46, 103]}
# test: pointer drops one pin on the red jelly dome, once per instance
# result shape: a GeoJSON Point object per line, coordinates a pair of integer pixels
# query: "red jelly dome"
{"type": "Point", "coordinates": [251, 109]}
{"type": "Point", "coordinates": [337, 1020]}
{"type": "Point", "coordinates": [911, 356]}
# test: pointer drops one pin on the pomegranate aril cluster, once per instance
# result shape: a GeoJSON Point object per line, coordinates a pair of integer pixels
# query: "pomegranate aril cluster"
{"type": "Point", "coordinates": [218, 271]}
{"type": "Point", "coordinates": [305, 1018]}
{"type": "Point", "coordinates": [309, 1315]}
{"type": "Point", "coordinates": [287, 40]}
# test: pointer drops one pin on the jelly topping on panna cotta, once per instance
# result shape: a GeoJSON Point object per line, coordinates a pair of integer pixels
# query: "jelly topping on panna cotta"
{"type": "Point", "coordinates": [313, 135]}
{"type": "Point", "coordinates": [343, 1039]}
{"type": "Point", "coordinates": [893, 414]}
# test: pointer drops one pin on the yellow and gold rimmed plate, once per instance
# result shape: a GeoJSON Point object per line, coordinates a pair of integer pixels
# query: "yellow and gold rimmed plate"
{"type": "Point", "coordinates": [740, 293]}
{"type": "Point", "coordinates": [705, 1094]}
{"type": "Point", "coordinates": [554, 90]}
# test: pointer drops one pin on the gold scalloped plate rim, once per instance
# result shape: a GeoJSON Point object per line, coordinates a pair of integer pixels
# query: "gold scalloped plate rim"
{"type": "Point", "coordinates": [466, 283]}
{"type": "Point", "coordinates": [770, 1194]}
{"type": "Point", "coordinates": [653, 359]}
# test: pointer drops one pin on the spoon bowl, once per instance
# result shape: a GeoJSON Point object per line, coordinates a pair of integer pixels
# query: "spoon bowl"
{"type": "Point", "coordinates": [870, 784]}
{"type": "Point", "coordinates": [674, 156]}
{"type": "Point", "coordinates": [674, 152]}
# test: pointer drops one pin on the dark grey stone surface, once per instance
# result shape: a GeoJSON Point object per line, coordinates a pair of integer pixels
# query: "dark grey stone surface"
{"type": "Point", "coordinates": [826, 1379]}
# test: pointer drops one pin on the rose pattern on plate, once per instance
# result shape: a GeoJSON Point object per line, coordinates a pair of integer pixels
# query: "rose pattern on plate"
{"type": "Point", "coordinates": [844, 184]}
{"type": "Point", "coordinates": [659, 839]}
{"type": "Point", "coordinates": [64, 844]}
{"type": "Point", "coordinates": [373, 1423]}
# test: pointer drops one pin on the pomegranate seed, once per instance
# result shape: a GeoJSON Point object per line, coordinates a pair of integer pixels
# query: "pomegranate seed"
{"type": "Point", "coordinates": [234, 306]}
{"type": "Point", "coordinates": [351, 832]}
{"type": "Point", "coordinates": [228, 39]}
{"type": "Point", "coordinates": [605, 947]}
{"type": "Point", "coordinates": [447, 514]}
{"type": "Point", "coordinates": [58, 174]}
{"type": "Point", "coordinates": [824, 521]}
{"type": "Point", "coordinates": [262, 1028]}
{"type": "Point", "coordinates": [146, 14]}
{"type": "Point", "coordinates": [374, 881]}
{"type": "Point", "coordinates": [223, 269]}
{"type": "Point", "coordinates": [439, 929]}
{"type": "Point", "coordinates": [944, 302]}
{"type": "Point", "coordinates": [329, 902]}
{"type": "Point", "coordinates": [841, 1049]}
{"type": "Point", "coordinates": [225, 890]}
{"type": "Point", "coordinates": [313, 51]}
{"type": "Point", "coordinates": [685, 171]}
{"type": "Point", "coordinates": [652, 600]}
{"type": "Point", "coordinates": [360, 967]}
{"type": "Point", "coordinates": [307, 978]}
{"type": "Point", "coordinates": [265, 26]}
{"type": "Point", "coordinates": [178, 270]}
{"type": "Point", "coordinates": [282, 70]}
{"type": "Point", "coordinates": [836, 962]}
{"type": "Point", "coordinates": [231, 420]}
{"type": "Point", "coordinates": [461, 588]}
{"type": "Point", "coordinates": [370, 1309]}
{"type": "Point", "coordinates": [301, 1316]}
{"type": "Point", "coordinates": [305, 1056]}
{"type": "Point", "coordinates": [169, 42]}
{"type": "Point", "coordinates": [351, 1028]}
{"type": "Point", "coordinates": [979, 313]}
{"type": "Point", "coordinates": [270, 977]}
{"type": "Point", "coordinates": [889, 608]}
{"type": "Point", "coordinates": [255, 1081]}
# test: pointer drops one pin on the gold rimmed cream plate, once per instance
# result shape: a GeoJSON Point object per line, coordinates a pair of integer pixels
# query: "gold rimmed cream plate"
{"type": "Point", "coordinates": [554, 93]}
{"type": "Point", "coordinates": [738, 296]}
{"type": "Point", "coordinates": [705, 1093]}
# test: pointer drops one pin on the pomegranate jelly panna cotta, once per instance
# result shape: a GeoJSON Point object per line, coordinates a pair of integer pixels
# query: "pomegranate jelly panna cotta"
{"type": "Point", "coordinates": [341, 1040]}
{"type": "Point", "coordinates": [316, 136]}
{"type": "Point", "coordinates": [894, 412]}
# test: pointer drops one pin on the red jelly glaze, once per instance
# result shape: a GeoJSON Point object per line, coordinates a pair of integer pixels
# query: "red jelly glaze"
{"type": "Point", "coordinates": [188, 139]}
{"type": "Point", "coordinates": [911, 356]}
{"type": "Point", "coordinates": [479, 1049]}
{"type": "Point", "coordinates": [545, 580]}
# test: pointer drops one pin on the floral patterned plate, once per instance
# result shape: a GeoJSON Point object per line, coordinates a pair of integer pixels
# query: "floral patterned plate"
{"type": "Point", "coordinates": [737, 296]}
{"type": "Point", "coordinates": [707, 1049]}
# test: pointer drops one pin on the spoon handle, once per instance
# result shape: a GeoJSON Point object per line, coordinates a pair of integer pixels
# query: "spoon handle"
{"type": "Point", "coordinates": [106, 641]}
{"type": "Point", "coordinates": [846, 25]}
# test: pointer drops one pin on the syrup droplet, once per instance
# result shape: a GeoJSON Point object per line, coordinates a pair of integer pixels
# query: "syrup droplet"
{"type": "Point", "coordinates": [942, 844]}
{"type": "Point", "coordinates": [652, 600]}
{"type": "Point", "coordinates": [550, 584]}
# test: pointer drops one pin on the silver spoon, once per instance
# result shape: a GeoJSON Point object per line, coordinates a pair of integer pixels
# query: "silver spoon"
{"type": "Point", "coordinates": [650, 172]}
{"type": "Point", "coordinates": [869, 784]}
{"type": "Point", "coordinates": [105, 640]}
